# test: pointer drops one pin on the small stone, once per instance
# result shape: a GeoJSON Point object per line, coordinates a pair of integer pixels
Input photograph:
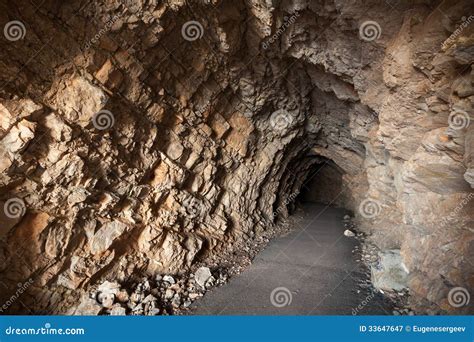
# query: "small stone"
{"type": "Point", "coordinates": [210, 282]}
{"type": "Point", "coordinates": [193, 296]}
{"type": "Point", "coordinates": [136, 297]}
{"type": "Point", "coordinates": [154, 312]}
{"type": "Point", "coordinates": [347, 217]}
{"type": "Point", "coordinates": [106, 299]}
{"type": "Point", "coordinates": [202, 275]}
{"type": "Point", "coordinates": [169, 279]}
{"type": "Point", "coordinates": [149, 298]}
{"type": "Point", "coordinates": [396, 313]}
{"type": "Point", "coordinates": [87, 307]}
{"type": "Point", "coordinates": [146, 285]}
{"type": "Point", "coordinates": [176, 302]}
{"type": "Point", "coordinates": [169, 294]}
{"type": "Point", "coordinates": [122, 296]}
{"type": "Point", "coordinates": [118, 311]}
{"type": "Point", "coordinates": [349, 233]}
{"type": "Point", "coordinates": [138, 309]}
{"type": "Point", "coordinates": [109, 75]}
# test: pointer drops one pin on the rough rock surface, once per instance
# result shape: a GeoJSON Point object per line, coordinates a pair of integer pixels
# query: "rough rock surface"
{"type": "Point", "coordinates": [131, 143]}
{"type": "Point", "coordinates": [390, 273]}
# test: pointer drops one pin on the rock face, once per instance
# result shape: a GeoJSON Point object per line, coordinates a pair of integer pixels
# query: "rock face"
{"type": "Point", "coordinates": [148, 136]}
{"type": "Point", "coordinates": [391, 273]}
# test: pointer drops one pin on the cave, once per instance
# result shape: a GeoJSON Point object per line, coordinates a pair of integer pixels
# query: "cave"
{"type": "Point", "coordinates": [323, 184]}
{"type": "Point", "coordinates": [147, 142]}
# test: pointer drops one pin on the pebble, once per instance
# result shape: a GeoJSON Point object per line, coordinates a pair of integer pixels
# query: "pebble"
{"type": "Point", "coordinates": [118, 311]}
{"type": "Point", "coordinates": [348, 233]}
{"type": "Point", "coordinates": [106, 299]}
{"type": "Point", "coordinates": [169, 294]}
{"type": "Point", "coordinates": [176, 302]}
{"type": "Point", "coordinates": [169, 279]}
{"type": "Point", "coordinates": [154, 312]}
{"type": "Point", "coordinates": [193, 296]}
{"type": "Point", "coordinates": [203, 274]}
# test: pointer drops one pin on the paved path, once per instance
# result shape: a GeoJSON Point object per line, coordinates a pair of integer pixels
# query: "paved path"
{"type": "Point", "coordinates": [313, 265]}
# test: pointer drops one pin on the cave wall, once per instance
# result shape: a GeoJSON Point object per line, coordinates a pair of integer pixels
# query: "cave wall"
{"type": "Point", "coordinates": [132, 143]}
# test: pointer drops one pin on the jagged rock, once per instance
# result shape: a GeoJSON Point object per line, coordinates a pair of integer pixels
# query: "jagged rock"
{"type": "Point", "coordinates": [169, 279]}
{"type": "Point", "coordinates": [19, 136]}
{"type": "Point", "coordinates": [349, 233]}
{"type": "Point", "coordinates": [118, 311]}
{"type": "Point", "coordinates": [169, 294]}
{"type": "Point", "coordinates": [204, 145]}
{"type": "Point", "coordinates": [87, 307]}
{"type": "Point", "coordinates": [106, 236]}
{"type": "Point", "coordinates": [193, 296]}
{"type": "Point", "coordinates": [107, 300]}
{"type": "Point", "coordinates": [390, 274]}
{"type": "Point", "coordinates": [79, 100]}
{"type": "Point", "coordinates": [202, 275]}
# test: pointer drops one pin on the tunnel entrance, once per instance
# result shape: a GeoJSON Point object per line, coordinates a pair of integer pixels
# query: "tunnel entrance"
{"type": "Point", "coordinates": [323, 184]}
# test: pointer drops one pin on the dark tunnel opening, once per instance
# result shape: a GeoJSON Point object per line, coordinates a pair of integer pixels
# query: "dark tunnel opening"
{"type": "Point", "coordinates": [323, 184]}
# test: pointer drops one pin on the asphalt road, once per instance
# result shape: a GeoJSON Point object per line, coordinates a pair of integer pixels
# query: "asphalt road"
{"type": "Point", "coordinates": [310, 271]}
